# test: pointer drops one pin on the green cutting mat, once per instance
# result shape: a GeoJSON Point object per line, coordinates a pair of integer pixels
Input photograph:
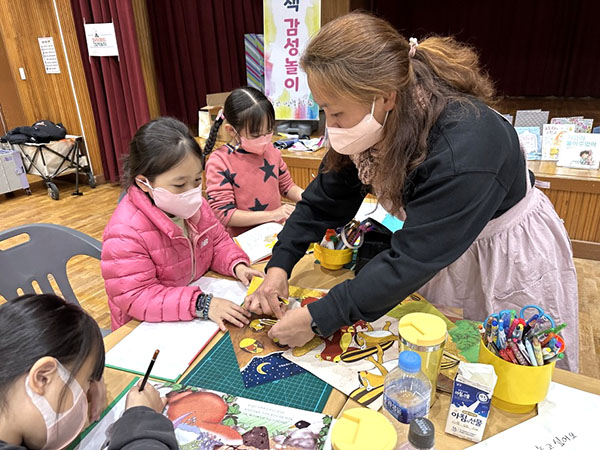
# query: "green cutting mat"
{"type": "Point", "coordinates": [219, 371]}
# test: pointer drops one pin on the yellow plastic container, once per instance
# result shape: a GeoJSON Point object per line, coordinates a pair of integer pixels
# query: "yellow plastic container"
{"type": "Point", "coordinates": [363, 428]}
{"type": "Point", "coordinates": [333, 259]}
{"type": "Point", "coordinates": [425, 334]}
{"type": "Point", "coordinates": [519, 388]}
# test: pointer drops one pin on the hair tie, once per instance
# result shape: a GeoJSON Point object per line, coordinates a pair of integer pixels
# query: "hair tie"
{"type": "Point", "coordinates": [220, 115]}
{"type": "Point", "coordinates": [413, 43]}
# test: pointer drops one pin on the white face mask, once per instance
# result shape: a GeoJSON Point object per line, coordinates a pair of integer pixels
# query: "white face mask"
{"type": "Point", "coordinates": [61, 428]}
{"type": "Point", "coordinates": [362, 136]}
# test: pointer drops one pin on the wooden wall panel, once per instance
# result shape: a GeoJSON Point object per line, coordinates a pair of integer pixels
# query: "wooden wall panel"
{"type": "Point", "coordinates": [49, 96]}
{"type": "Point", "coordinates": [144, 36]}
{"type": "Point", "coordinates": [12, 111]}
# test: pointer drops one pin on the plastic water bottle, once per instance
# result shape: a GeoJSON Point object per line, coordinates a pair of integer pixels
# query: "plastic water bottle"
{"type": "Point", "coordinates": [421, 435]}
{"type": "Point", "coordinates": [406, 393]}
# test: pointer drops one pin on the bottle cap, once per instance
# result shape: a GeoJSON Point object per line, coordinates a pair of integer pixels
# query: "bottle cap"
{"type": "Point", "coordinates": [362, 428]}
{"type": "Point", "coordinates": [409, 361]}
{"type": "Point", "coordinates": [422, 329]}
{"type": "Point", "coordinates": [421, 433]}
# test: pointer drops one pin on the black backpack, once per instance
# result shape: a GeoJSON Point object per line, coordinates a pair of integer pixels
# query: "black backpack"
{"type": "Point", "coordinates": [43, 131]}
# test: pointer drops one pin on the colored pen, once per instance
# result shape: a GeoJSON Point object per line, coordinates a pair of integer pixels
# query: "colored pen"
{"type": "Point", "coordinates": [518, 333]}
{"type": "Point", "coordinates": [518, 355]}
{"type": "Point", "coordinates": [548, 339]}
{"type": "Point", "coordinates": [511, 355]}
{"type": "Point", "coordinates": [530, 323]}
{"type": "Point", "coordinates": [152, 361]}
{"type": "Point", "coordinates": [529, 348]}
{"type": "Point", "coordinates": [504, 355]}
{"type": "Point", "coordinates": [512, 327]}
{"type": "Point", "coordinates": [494, 330]}
{"type": "Point", "coordinates": [554, 330]}
{"type": "Point", "coordinates": [555, 358]}
{"type": "Point", "coordinates": [501, 337]}
{"type": "Point", "coordinates": [284, 300]}
{"type": "Point", "coordinates": [537, 351]}
{"type": "Point", "coordinates": [523, 351]}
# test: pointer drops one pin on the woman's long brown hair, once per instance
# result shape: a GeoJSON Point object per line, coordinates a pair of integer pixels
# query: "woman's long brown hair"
{"type": "Point", "coordinates": [360, 56]}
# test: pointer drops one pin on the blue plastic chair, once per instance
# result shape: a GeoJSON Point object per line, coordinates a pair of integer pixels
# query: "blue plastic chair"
{"type": "Point", "coordinates": [47, 252]}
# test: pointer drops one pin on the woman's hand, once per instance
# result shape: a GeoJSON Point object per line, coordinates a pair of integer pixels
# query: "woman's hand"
{"type": "Point", "coordinates": [97, 401]}
{"type": "Point", "coordinates": [294, 329]}
{"type": "Point", "coordinates": [245, 273]}
{"type": "Point", "coordinates": [265, 300]}
{"type": "Point", "coordinates": [221, 310]}
{"type": "Point", "coordinates": [149, 397]}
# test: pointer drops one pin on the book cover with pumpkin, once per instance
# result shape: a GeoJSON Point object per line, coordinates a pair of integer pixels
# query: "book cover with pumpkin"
{"type": "Point", "coordinates": [210, 420]}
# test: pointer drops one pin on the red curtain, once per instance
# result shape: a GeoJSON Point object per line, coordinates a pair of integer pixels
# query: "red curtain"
{"type": "Point", "coordinates": [199, 49]}
{"type": "Point", "coordinates": [530, 48]}
{"type": "Point", "coordinates": [116, 85]}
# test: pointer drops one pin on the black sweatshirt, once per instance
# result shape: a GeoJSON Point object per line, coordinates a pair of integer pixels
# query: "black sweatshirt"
{"type": "Point", "coordinates": [474, 171]}
{"type": "Point", "coordinates": [139, 428]}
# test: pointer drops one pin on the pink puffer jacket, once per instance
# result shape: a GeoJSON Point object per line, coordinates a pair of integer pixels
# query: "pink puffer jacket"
{"type": "Point", "coordinates": [147, 262]}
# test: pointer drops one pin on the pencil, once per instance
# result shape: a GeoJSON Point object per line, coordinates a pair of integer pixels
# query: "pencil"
{"type": "Point", "coordinates": [152, 361]}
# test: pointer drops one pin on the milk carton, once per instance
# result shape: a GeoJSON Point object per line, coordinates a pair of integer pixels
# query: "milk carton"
{"type": "Point", "coordinates": [471, 399]}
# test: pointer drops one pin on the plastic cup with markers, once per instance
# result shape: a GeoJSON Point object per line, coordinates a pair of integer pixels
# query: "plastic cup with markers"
{"type": "Point", "coordinates": [523, 347]}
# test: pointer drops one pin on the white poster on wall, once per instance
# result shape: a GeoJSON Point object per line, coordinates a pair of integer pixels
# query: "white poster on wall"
{"type": "Point", "coordinates": [101, 39]}
{"type": "Point", "coordinates": [49, 54]}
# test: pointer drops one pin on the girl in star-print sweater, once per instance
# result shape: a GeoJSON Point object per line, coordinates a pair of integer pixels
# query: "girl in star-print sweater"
{"type": "Point", "coordinates": [246, 178]}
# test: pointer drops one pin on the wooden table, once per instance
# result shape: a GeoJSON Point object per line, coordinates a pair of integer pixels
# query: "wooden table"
{"type": "Point", "coordinates": [575, 194]}
{"type": "Point", "coordinates": [307, 274]}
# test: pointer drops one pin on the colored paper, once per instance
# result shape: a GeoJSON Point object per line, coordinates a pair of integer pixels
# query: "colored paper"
{"type": "Point", "coordinates": [259, 357]}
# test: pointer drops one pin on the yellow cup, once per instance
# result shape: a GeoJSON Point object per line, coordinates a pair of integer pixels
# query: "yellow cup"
{"type": "Point", "coordinates": [333, 259]}
{"type": "Point", "coordinates": [519, 388]}
{"type": "Point", "coordinates": [361, 428]}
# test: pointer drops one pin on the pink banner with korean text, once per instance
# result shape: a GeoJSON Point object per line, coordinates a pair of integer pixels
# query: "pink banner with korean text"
{"type": "Point", "coordinates": [288, 26]}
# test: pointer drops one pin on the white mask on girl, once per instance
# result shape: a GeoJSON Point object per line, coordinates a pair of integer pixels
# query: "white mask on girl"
{"type": "Point", "coordinates": [183, 205]}
{"type": "Point", "coordinates": [362, 136]}
{"type": "Point", "coordinates": [61, 428]}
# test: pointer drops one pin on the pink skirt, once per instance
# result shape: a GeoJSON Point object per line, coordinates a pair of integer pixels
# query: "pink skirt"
{"type": "Point", "coordinates": [523, 257]}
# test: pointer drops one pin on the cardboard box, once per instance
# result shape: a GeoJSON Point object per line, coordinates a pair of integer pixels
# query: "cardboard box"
{"type": "Point", "coordinates": [208, 114]}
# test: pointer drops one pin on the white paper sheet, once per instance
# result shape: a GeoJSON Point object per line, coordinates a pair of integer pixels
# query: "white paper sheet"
{"type": "Point", "coordinates": [567, 419]}
{"type": "Point", "coordinates": [178, 342]}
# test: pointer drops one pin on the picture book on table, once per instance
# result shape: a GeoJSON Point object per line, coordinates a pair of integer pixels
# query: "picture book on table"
{"type": "Point", "coordinates": [258, 242]}
{"type": "Point", "coordinates": [210, 420]}
{"type": "Point", "coordinates": [531, 118]}
{"type": "Point", "coordinates": [530, 141]}
{"type": "Point", "coordinates": [581, 151]}
{"type": "Point", "coordinates": [261, 359]}
{"type": "Point", "coordinates": [582, 125]}
{"type": "Point", "coordinates": [553, 139]}
{"type": "Point", "coordinates": [356, 358]}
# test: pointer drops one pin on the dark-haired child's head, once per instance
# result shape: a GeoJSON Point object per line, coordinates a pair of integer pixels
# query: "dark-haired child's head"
{"type": "Point", "coordinates": [248, 114]}
{"type": "Point", "coordinates": [163, 154]}
{"type": "Point", "coordinates": [50, 351]}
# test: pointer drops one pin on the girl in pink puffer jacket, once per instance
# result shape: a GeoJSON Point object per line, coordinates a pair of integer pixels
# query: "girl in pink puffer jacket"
{"type": "Point", "coordinates": [163, 235]}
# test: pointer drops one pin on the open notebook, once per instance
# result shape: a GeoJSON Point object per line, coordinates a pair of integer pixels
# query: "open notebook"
{"type": "Point", "coordinates": [258, 242]}
{"type": "Point", "coordinates": [179, 342]}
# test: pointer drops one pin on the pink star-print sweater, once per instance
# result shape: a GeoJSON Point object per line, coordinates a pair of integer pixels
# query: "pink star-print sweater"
{"type": "Point", "coordinates": [236, 179]}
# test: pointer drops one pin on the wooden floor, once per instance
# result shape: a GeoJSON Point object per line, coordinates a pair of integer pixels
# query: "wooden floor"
{"type": "Point", "coordinates": [90, 213]}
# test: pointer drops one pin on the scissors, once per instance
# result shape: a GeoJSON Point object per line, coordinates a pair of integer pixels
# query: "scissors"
{"type": "Point", "coordinates": [539, 311]}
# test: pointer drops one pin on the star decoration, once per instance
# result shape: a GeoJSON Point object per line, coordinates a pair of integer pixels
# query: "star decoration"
{"type": "Point", "coordinates": [258, 206]}
{"type": "Point", "coordinates": [268, 170]}
{"type": "Point", "coordinates": [228, 177]}
{"type": "Point", "coordinates": [226, 208]}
